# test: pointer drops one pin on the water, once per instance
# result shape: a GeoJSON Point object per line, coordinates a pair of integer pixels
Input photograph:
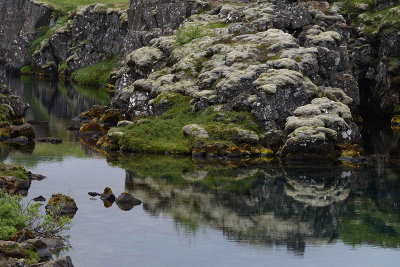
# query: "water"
{"type": "Point", "coordinates": [260, 213]}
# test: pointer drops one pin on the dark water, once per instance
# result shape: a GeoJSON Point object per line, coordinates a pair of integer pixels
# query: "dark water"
{"type": "Point", "coordinates": [194, 213]}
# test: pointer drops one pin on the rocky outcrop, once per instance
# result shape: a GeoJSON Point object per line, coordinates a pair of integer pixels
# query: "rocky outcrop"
{"type": "Point", "coordinates": [20, 20]}
{"type": "Point", "coordinates": [268, 59]}
{"type": "Point", "coordinates": [375, 53]}
{"type": "Point", "coordinates": [94, 34]}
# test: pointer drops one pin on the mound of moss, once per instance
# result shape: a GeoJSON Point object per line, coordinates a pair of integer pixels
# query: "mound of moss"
{"type": "Point", "coordinates": [14, 171]}
{"type": "Point", "coordinates": [164, 133]}
{"type": "Point", "coordinates": [96, 74]}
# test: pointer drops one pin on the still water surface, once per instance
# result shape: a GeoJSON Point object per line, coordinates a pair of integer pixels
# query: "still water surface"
{"type": "Point", "coordinates": [262, 213]}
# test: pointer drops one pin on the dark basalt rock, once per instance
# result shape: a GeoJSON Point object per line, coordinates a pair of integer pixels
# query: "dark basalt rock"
{"type": "Point", "coordinates": [39, 199]}
{"type": "Point", "coordinates": [20, 20]}
{"type": "Point", "coordinates": [126, 201]}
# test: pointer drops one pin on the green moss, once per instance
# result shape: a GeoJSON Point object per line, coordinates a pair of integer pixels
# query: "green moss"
{"type": "Point", "coordinates": [64, 6]}
{"type": "Point", "coordinates": [187, 34]}
{"type": "Point", "coordinates": [217, 25]}
{"type": "Point", "coordinates": [26, 70]}
{"type": "Point", "coordinates": [62, 68]}
{"type": "Point", "coordinates": [164, 133]}
{"type": "Point", "coordinates": [4, 115]}
{"type": "Point", "coordinates": [14, 171]}
{"type": "Point", "coordinates": [97, 74]}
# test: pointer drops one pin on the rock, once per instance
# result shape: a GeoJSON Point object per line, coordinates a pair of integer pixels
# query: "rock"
{"type": "Point", "coordinates": [90, 128]}
{"type": "Point", "coordinates": [21, 140]}
{"type": "Point", "coordinates": [14, 179]}
{"type": "Point", "coordinates": [52, 140]}
{"type": "Point", "coordinates": [37, 177]}
{"type": "Point", "coordinates": [19, 22]}
{"type": "Point", "coordinates": [66, 204]}
{"type": "Point", "coordinates": [124, 123]}
{"type": "Point", "coordinates": [18, 105]}
{"type": "Point", "coordinates": [39, 199]}
{"type": "Point", "coordinates": [273, 139]}
{"type": "Point", "coordinates": [38, 122]}
{"type": "Point", "coordinates": [93, 194]}
{"type": "Point", "coordinates": [195, 130]}
{"type": "Point", "coordinates": [107, 195]}
{"type": "Point", "coordinates": [126, 201]}
{"type": "Point", "coordinates": [25, 130]}
{"type": "Point", "coordinates": [22, 236]}
{"type": "Point", "coordinates": [61, 262]}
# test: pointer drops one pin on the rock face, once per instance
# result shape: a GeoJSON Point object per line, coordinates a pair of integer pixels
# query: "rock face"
{"type": "Point", "coordinates": [94, 34]}
{"type": "Point", "coordinates": [375, 54]}
{"type": "Point", "coordinates": [19, 21]}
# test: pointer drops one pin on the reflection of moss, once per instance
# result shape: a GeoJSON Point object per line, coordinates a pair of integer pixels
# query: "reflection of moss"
{"type": "Point", "coordinates": [369, 225]}
{"type": "Point", "coordinates": [171, 170]}
{"type": "Point", "coordinates": [164, 133]}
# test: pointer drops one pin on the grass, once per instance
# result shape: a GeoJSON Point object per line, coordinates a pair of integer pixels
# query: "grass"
{"type": "Point", "coordinates": [164, 133]}
{"type": "Point", "coordinates": [96, 74]}
{"type": "Point", "coordinates": [187, 34]}
{"type": "Point", "coordinates": [66, 6]}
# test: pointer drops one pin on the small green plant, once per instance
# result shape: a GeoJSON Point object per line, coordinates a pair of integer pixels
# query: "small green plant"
{"type": "Point", "coordinates": [187, 34]}
{"type": "Point", "coordinates": [26, 70]}
{"type": "Point", "coordinates": [15, 216]}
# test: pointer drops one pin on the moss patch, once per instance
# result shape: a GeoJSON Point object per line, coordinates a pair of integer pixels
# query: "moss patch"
{"type": "Point", "coordinates": [14, 171]}
{"type": "Point", "coordinates": [70, 5]}
{"type": "Point", "coordinates": [96, 74]}
{"type": "Point", "coordinates": [164, 133]}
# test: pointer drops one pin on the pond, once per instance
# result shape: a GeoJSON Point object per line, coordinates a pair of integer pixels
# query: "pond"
{"type": "Point", "coordinates": [209, 213]}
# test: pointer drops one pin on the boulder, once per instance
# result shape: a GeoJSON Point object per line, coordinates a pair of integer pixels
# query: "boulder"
{"type": "Point", "coordinates": [66, 204]}
{"type": "Point", "coordinates": [195, 130]}
{"type": "Point", "coordinates": [126, 201]}
{"type": "Point", "coordinates": [25, 130]}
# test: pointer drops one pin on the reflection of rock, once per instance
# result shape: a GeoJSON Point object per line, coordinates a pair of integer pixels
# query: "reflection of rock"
{"type": "Point", "coordinates": [316, 195]}
{"type": "Point", "coordinates": [126, 201]}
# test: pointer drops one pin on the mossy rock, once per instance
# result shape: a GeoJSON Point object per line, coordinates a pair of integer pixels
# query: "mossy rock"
{"type": "Point", "coordinates": [396, 122]}
{"type": "Point", "coordinates": [12, 250]}
{"type": "Point", "coordinates": [5, 133]}
{"type": "Point", "coordinates": [22, 130]}
{"type": "Point", "coordinates": [14, 179]}
{"type": "Point", "coordinates": [95, 111]}
{"type": "Point", "coordinates": [14, 171]}
{"type": "Point", "coordinates": [91, 127]}
{"type": "Point", "coordinates": [112, 116]}
{"type": "Point", "coordinates": [61, 204]}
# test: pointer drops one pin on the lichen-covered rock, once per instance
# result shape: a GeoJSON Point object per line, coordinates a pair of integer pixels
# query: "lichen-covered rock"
{"type": "Point", "coordinates": [62, 205]}
{"type": "Point", "coordinates": [195, 130]}
{"type": "Point", "coordinates": [317, 127]}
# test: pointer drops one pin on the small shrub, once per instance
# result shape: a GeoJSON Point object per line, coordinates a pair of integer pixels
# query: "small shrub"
{"type": "Point", "coordinates": [26, 70]}
{"type": "Point", "coordinates": [187, 34]}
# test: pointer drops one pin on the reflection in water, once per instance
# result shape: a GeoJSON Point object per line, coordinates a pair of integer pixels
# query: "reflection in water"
{"type": "Point", "coordinates": [270, 204]}
{"type": "Point", "coordinates": [260, 204]}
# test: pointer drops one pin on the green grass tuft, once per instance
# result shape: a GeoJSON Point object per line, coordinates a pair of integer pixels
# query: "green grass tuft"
{"type": "Point", "coordinates": [187, 34]}
{"type": "Point", "coordinates": [97, 74]}
{"type": "Point", "coordinates": [65, 6]}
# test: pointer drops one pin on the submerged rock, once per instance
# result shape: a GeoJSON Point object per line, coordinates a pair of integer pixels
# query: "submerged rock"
{"type": "Point", "coordinates": [52, 140]}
